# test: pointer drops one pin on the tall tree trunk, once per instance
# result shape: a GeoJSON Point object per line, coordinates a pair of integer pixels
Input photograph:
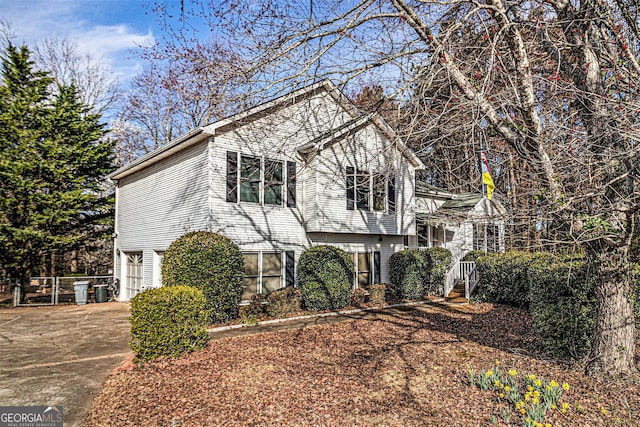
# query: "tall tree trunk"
{"type": "Point", "coordinates": [614, 344]}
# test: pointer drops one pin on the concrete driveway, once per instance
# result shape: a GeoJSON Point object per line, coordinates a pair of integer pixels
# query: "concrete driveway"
{"type": "Point", "coordinates": [60, 355]}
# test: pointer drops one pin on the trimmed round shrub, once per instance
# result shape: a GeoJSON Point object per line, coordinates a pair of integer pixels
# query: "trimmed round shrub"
{"type": "Point", "coordinates": [211, 263]}
{"type": "Point", "coordinates": [504, 277]}
{"type": "Point", "coordinates": [325, 278]}
{"type": "Point", "coordinates": [168, 321]}
{"type": "Point", "coordinates": [440, 264]}
{"type": "Point", "coordinates": [563, 307]}
{"type": "Point", "coordinates": [410, 271]}
{"type": "Point", "coordinates": [284, 302]}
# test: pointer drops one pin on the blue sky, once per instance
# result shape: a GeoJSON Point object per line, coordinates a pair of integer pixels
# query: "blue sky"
{"type": "Point", "coordinates": [111, 29]}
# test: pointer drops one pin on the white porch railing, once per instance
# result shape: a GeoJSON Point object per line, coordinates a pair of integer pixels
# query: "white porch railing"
{"type": "Point", "coordinates": [471, 277]}
{"type": "Point", "coordinates": [462, 270]}
{"type": "Point", "coordinates": [451, 277]}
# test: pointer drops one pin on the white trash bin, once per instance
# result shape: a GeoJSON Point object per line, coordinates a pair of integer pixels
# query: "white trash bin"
{"type": "Point", "coordinates": [81, 289]}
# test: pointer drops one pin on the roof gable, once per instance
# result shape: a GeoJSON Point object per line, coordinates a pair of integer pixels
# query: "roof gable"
{"type": "Point", "coordinates": [358, 120]}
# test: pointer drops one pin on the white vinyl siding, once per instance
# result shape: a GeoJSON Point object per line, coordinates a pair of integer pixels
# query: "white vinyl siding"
{"type": "Point", "coordinates": [161, 203]}
{"type": "Point", "coordinates": [368, 152]}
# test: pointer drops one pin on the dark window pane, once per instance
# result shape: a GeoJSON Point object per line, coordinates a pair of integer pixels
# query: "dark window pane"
{"type": "Point", "coordinates": [290, 272]}
{"type": "Point", "coordinates": [291, 184]}
{"type": "Point", "coordinates": [272, 182]}
{"type": "Point", "coordinates": [391, 194]}
{"type": "Point", "coordinates": [362, 190]}
{"type": "Point", "coordinates": [351, 191]}
{"type": "Point", "coordinates": [232, 176]}
{"type": "Point", "coordinates": [250, 179]}
{"type": "Point", "coordinates": [376, 267]}
{"type": "Point", "coordinates": [379, 193]}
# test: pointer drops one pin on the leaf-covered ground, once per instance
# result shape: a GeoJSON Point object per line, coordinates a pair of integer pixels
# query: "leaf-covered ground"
{"type": "Point", "coordinates": [398, 369]}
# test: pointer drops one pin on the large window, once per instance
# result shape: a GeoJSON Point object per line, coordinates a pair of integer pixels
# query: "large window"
{"type": "Point", "coordinates": [262, 273]}
{"type": "Point", "coordinates": [366, 191]}
{"type": "Point", "coordinates": [260, 180]}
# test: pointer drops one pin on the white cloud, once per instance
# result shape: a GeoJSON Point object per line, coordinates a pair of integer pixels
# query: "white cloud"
{"type": "Point", "coordinates": [84, 22]}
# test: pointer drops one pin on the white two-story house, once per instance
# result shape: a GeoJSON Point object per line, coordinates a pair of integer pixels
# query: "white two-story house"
{"type": "Point", "coordinates": [305, 169]}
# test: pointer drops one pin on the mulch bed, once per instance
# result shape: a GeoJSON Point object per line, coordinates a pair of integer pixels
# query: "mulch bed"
{"type": "Point", "coordinates": [398, 370]}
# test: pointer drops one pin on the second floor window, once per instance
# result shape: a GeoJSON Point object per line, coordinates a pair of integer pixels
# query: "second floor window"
{"type": "Point", "coordinates": [250, 178]}
{"type": "Point", "coordinates": [255, 180]}
{"type": "Point", "coordinates": [366, 191]}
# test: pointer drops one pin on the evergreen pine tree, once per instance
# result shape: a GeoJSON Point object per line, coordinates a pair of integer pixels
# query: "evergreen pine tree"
{"type": "Point", "coordinates": [52, 164]}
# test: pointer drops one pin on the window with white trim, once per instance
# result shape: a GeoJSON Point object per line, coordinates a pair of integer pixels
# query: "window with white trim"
{"type": "Point", "coordinates": [367, 191]}
{"type": "Point", "coordinates": [367, 268]}
{"type": "Point", "coordinates": [262, 273]}
{"type": "Point", "coordinates": [258, 180]}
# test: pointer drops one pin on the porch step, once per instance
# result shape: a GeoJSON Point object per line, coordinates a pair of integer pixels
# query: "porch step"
{"type": "Point", "coordinates": [457, 294]}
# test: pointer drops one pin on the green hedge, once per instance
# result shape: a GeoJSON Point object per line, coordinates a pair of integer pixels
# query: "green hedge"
{"type": "Point", "coordinates": [440, 264]}
{"type": "Point", "coordinates": [504, 277]}
{"type": "Point", "coordinates": [563, 307]}
{"type": "Point", "coordinates": [168, 321]}
{"type": "Point", "coordinates": [410, 273]}
{"type": "Point", "coordinates": [211, 263]}
{"type": "Point", "coordinates": [325, 278]}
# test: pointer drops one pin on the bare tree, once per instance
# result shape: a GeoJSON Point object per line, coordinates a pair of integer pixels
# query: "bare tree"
{"type": "Point", "coordinates": [177, 91]}
{"type": "Point", "coordinates": [97, 86]}
{"type": "Point", "coordinates": [556, 81]}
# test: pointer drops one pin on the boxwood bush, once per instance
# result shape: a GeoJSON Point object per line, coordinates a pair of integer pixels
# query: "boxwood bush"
{"type": "Point", "coordinates": [440, 264]}
{"type": "Point", "coordinates": [410, 272]}
{"type": "Point", "coordinates": [504, 277]}
{"type": "Point", "coordinates": [211, 263]}
{"type": "Point", "coordinates": [168, 321]}
{"type": "Point", "coordinates": [325, 278]}
{"type": "Point", "coordinates": [563, 306]}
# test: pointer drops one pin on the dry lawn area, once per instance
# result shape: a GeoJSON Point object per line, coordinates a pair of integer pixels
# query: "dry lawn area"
{"type": "Point", "coordinates": [402, 368]}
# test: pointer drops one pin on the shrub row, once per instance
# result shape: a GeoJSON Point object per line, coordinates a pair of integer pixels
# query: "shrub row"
{"type": "Point", "coordinates": [558, 291]}
{"type": "Point", "coordinates": [505, 276]}
{"type": "Point", "coordinates": [562, 306]}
